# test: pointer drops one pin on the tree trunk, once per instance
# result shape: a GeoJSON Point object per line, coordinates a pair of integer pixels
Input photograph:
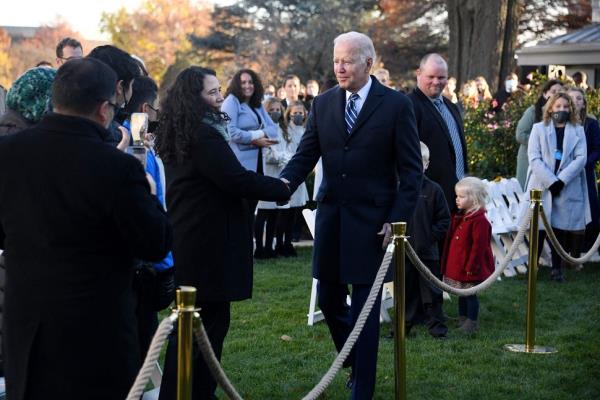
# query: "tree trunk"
{"type": "Point", "coordinates": [483, 35]}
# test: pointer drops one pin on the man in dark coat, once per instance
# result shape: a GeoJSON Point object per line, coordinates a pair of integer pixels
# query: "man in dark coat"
{"type": "Point", "coordinates": [366, 135]}
{"type": "Point", "coordinates": [74, 213]}
{"type": "Point", "coordinates": [440, 126]}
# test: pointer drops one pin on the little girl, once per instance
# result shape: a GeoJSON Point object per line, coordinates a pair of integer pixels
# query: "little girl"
{"type": "Point", "coordinates": [468, 258]}
{"type": "Point", "coordinates": [295, 118]}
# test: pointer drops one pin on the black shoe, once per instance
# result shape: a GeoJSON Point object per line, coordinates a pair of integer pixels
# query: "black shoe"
{"type": "Point", "coordinates": [288, 250]}
{"type": "Point", "coordinates": [259, 253]}
{"type": "Point", "coordinates": [557, 275]}
{"type": "Point", "coordinates": [349, 381]}
{"type": "Point", "coordinates": [269, 253]}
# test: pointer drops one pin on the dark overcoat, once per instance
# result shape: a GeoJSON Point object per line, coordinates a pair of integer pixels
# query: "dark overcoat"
{"type": "Point", "coordinates": [212, 223]}
{"type": "Point", "coordinates": [433, 131]}
{"type": "Point", "coordinates": [74, 213]}
{"type": "Point", "coordinates": [370, 176]}
{"type": "Point", "coordinates": [592, 139]}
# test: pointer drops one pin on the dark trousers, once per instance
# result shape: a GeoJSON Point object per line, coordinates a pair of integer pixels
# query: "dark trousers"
{"type": "Point", "coordinates": [424, 301]}
{"type": "Point", "coordinates": [216, 318]}
{"type": "Point", "coordinates": [285, 225]}
{"type": "Point", "coordinates": [469, 307]}
{"type": "Point", "coordinates": [268, 218]}
{"type": "Point", "coordinates": [340, 319]}
{"type": "Point", "coordinates": [562, 239]}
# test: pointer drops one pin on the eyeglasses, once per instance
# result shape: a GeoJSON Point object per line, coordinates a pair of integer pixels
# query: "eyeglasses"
{"type": "Point", "coordinates": [113, 105]}
{"type": "Point", "coordinates": [70, 58]}
{"type": "Point", "coordinates": [152, 108]}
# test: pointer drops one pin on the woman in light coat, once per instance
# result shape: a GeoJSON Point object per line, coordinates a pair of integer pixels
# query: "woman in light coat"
{"type": "Point", "coordinates": [557, 157]}
{"type": "Point", "coordinates": [250, 126]}
{"type": "Point", "coordinates": [532, 115]}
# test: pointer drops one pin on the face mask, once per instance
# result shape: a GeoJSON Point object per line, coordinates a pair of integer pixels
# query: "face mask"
{"type": "Point", "coordinates": [275, 115]}
{"type": "Point", "coordinates": [510, 85]}
{"type": "Point", "coordinates": [560, 117]}
{"type": "Point", "coordinates": [152, 126]}
{"type": "Point", "coordinates": [298, 119]}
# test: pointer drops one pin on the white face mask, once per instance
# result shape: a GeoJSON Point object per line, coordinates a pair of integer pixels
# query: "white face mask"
{"type": "Point", "coordinates": [510, 85]}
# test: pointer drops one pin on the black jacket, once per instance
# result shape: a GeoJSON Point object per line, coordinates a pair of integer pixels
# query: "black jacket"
{"type": "Point", "coordinates": [430, 222]}
{"type": "Point", "coordinates": [212, 223]}
{"type": "Point", "coordinates": [360, 190]}
{"type": "Point", "coordinates": [74, 213]}
{"type": "Point", "coordinates": [434, 133]}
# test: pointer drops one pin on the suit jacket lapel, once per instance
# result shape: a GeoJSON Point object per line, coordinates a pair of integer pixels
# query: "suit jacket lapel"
{"type": "Point", "coordinates": [373, 100]}
{"type": "Point", "coordinates": [339, 114]}
{"type": "Point", "coordinates": [436, 114]}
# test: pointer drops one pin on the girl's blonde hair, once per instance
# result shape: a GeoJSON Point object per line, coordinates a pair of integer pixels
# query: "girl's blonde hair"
{"type": "Point", "coordinates": [547, 116]}
{"type": "Point", "coordinates": [476, 191]}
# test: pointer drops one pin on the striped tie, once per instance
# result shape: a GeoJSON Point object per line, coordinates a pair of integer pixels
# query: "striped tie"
{"type": "Point", "coordinates": [351, 114]}
{"type": "Point", "coordinates": [454, 135]}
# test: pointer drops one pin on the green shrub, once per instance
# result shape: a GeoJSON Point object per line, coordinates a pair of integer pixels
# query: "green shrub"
{"type": "Point", "coordinates": [491, 143]}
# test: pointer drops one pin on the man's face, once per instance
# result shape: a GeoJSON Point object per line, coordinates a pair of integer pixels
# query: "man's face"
{"type": "Point", "coordinates": [383, 78]}
{"type": "Point", "coordinates": [108, 112]}
{"type": "Point", "coordinates": [312, 89]}
{"type": "Point", "coordinates": [432, 78]}
{"type": "Point", "coordinates": [69, 53]}
{"type": "Point", "coordinates": [152, 109]}
{"type": "Point", "coordinates": [351, 72]}
{"type": "Point", "coordinates": [124, 92]}
{"type": "Point", "coordinates": [292, 89]}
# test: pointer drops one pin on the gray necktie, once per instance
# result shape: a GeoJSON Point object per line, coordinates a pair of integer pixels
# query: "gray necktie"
{"type": "Point", "coordinates": [454, 135]}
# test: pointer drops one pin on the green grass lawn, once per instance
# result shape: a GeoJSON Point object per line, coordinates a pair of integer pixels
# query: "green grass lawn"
{"type": "Point", "coordinates": [263, 366]}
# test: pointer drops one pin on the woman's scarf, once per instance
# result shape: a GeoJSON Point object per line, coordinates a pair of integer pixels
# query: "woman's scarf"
{"type": "Point", "coordinates": [218, 122]}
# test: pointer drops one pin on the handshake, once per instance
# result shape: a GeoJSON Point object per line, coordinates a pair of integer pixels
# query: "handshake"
{"type": "Point", "coordinates": [284, 203]}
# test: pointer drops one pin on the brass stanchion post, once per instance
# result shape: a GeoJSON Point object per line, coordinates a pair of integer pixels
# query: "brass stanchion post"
{"type": "Point", "coordinates": [186, 300]}
{"type": "Point", "coordinates": [399, 232]}
{"type": "Point", "coordinates": [529, 346]}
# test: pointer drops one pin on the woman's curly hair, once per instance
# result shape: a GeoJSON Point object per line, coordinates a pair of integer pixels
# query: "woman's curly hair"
{"type": "Point", "coordinates": [181, 114]}
{"type": "Point", "coordinates": [235, 88]}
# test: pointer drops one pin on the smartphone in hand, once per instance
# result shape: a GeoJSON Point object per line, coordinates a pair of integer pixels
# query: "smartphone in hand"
{"type": "Point", "coordinates": [139, 127]}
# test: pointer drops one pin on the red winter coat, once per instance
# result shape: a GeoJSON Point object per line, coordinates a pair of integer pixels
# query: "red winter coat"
{"type": "Point", "coordinates": [467, 248]}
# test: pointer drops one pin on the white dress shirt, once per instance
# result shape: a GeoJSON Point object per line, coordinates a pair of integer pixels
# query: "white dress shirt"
{"type": "Point", "coordinates": [362, 96]}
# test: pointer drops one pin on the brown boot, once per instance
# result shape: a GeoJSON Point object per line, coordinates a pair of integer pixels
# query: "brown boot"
{"type": "Point", "coordinates": [469, 327]}
{"type": "Point", "coordinates": [461, 320]}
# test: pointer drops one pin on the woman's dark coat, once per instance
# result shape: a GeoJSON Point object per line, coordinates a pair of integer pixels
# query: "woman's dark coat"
{"type": "Point", "coordinates": [206, 203]}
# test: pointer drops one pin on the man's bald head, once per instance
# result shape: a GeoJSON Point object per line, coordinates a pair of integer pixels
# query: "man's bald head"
{"type": "Point", "coordinates": [432, 75]}
{"type": "Point", "coordinates": [432, 58]}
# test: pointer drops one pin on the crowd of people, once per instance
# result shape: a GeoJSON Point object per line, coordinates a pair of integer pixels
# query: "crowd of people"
{"type": "Point", "coordinates": [95, 241]}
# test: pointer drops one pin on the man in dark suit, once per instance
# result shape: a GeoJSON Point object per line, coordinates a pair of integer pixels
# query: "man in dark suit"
{"type": "Point", "coordinates": [372, 170]}
{"type": "Point", "coordinates": [440, 126]}
{"type": "Point", "coordinates": [74, 213]}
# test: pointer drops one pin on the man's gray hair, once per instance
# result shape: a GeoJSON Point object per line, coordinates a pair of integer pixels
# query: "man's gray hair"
{"type": "Point", "coordinates": [363, 43]}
